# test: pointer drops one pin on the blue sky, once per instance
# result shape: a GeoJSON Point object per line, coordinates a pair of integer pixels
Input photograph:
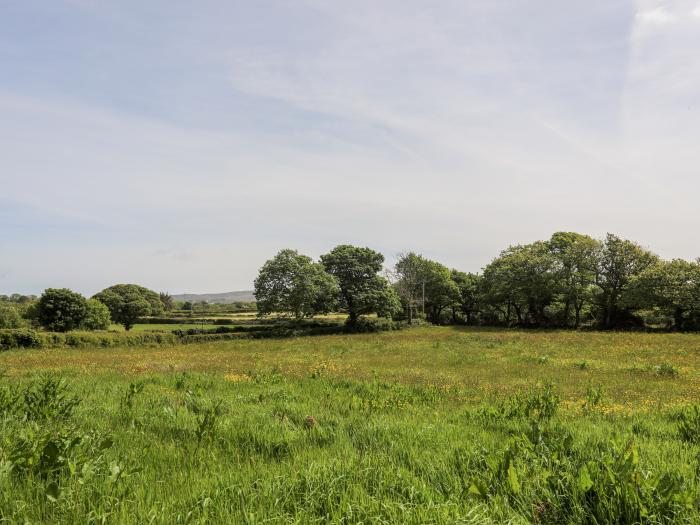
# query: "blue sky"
{"type": "Point", "coordinates": [180, 144]}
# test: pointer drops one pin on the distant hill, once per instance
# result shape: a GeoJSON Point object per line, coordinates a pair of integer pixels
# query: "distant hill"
{"type": "Point", "coordinates": [245, 296]}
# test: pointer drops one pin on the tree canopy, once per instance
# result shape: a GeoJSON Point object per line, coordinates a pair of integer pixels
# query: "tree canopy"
{"type": "Point", "coordinates": [291, 283]}
{"type": "Point", "coordinates": [61, 310]}
{"type": "Point", "coordinates": [128, 302]}
{"type": "Point", "coordinates": [362, 289]}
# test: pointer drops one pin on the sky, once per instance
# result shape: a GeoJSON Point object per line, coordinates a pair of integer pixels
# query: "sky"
{"type": "Point", "coordinates": [180, 144]}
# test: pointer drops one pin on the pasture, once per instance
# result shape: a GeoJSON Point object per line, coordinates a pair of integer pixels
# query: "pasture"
{"type": "Point", "coordinates": [425, 425]}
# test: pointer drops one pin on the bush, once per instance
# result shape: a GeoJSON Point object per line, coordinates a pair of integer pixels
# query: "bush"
{"type": "Point", "coordinates": [371, 325]}
{"type": "Point", "coordinates": [97, 316]}
{"type": "Point", "coordinates": [20, 338]}
{"type": "Point", "coordinates": [10, 316]}
{"type": "Point", "coordinates": [666, 370]}
{"type": "Point", "coordinates": [24, 338]}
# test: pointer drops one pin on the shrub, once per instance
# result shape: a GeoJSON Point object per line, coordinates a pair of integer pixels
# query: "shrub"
{"type": "Point", "coordinates": [97, 316]}
{"type": "Point", "coordinates": [20, 338]}
{"type": "Point", "coordinates": [666, 370]}
{"type": "Point", "coordinates": [371, 325]}
{"type": "Point", "coordinates": [10, 316]}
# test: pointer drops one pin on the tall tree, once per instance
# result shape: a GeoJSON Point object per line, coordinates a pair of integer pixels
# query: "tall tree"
{"type": "Point", "coordinates": [408, 274]}
{"type": "Point", "coordinates": [293, 284]}
{"type": "Point", "coordinates": [425, 282]}
{"type": "Point", "coordinates": [362, 289]}
{"type": "Point", "coordinates": [167, 300]}
{"type": "Point", "coordinates": [673, 287]}
{"type": "Point", "coordinates": [577, 257]}
{"type": "Point", "coordinates": [619, 262]}
{"type": "Point", "coordinates": [522, 280]}
{"type": "Point", "coordinates": [468, 293]}
{"type": "Point", "coordinates": [441, 291]}
{"type": "Point", "coordinates": [128, 302]}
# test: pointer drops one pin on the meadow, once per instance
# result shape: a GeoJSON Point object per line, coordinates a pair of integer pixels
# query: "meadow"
{"type": "Point", "coordinates": [423, 425]}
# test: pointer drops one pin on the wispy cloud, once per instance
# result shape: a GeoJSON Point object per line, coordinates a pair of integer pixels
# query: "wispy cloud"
{"type": "Point", "coordinates": [197, 140]}
{"type": "Point", "coordinates": [659, 15]}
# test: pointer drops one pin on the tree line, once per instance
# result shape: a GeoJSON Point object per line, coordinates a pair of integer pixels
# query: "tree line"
{"type": "Point", "coordinates": [62, 310]}
{"type": "Point", "coordinates": [570, 281]}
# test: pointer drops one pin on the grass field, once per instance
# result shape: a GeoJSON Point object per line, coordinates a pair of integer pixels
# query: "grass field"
{"type": "Point", "coordinates": [427, 425]}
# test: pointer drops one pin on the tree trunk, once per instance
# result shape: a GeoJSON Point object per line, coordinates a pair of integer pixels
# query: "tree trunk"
{"type": "Point", "coordinates": [678, 319]}
{"type": "Point", "coordinates": [578, 308]}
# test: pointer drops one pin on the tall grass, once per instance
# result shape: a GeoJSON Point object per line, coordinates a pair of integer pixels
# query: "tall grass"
{"type": "Point", "coordinates": [383, 428]}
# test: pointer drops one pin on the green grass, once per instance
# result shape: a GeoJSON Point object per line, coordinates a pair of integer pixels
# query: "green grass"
{"type": "Point", "coordinates": [430, 425]}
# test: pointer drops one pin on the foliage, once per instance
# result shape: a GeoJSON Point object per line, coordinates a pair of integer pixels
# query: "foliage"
{"type": "Point", "coordinates": [97, 316]}
{"type": "Point", "coordinates": [521, 283]}
{"type": "Point", "coordinates": [128, 302]}
{"type": "Point", "coordinates": [61, 310]}
{"type": "Point", "coordinates": [673, 287]}
{"type": "Point", "coordinates": [10, 316]}
{"type": "Point", "coordinates": [167, 300]}
{"type": "Point", "coordinates": [620, 262]}
{"type": "Point", "coordinates": [425, 282]}
{"type": "Point", "coordinates": [576, 256]}
{"type": "Point", "coordinates": [293, 284]}
{"type": "Point", "coordinates": [468, 296]}
{"type": "Point", "coordinates": [362, 290]}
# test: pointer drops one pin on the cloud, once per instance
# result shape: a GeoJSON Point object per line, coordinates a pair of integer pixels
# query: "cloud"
{"type": "Point", "coordinates": [696, 12]}
{"type": "Point", "coordinates": [452, 128]}
{"type": "Point", "coordinates": [656, 16]}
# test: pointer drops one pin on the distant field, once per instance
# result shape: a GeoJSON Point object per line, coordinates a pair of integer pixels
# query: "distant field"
{"type": "Point", "coordinates": [427, 425]}
{"type": "Point", "coordinates": [209, 321]}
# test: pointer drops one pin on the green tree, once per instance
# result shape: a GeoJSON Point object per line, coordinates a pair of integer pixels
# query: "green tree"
{"type": "Point", "coordinates": [167, 300]}
{"type": "Point", "coordinates": [468, 295]}
{"type": "Point", "coordinates": [97, 316]}
{"type": "Point", "coordinates": [362, 290]}
{"type": "Point", "coordinates": [577, 257]}
{"type": "Point", "coordinates": [128, 302]}
{"type": "Point", "coordinates": [291, 283]}
{"type": "Point", "coordinates": [60, 309]}
{"type": "Point", "coordinates": [619, 262]}
{"type": "Point", "coordinates": [522, 280]}
{"type": "Point", "coordinates": [425, 282]}
{"type": "Point", "coordinates": [408, 274]}
{"type": "Point", "coordinates": [10, 316]}
{"type": "Point", "coordinates": [673, 287]}
{"type": "Point", "coordinates": [441, 291]}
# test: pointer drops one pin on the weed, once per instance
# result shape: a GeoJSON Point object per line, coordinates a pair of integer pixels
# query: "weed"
{"type": "Point", "coordinates": [594, 396]}
{"type": "Point", "coordinates": [48, 398]}
{"type": "Point", "coordinates": [127, 400]}
{"type": "Point", "coordinates": [666, 370]}
{"type": "Point", "coordinates": [207, 414]}
{"type": "Point", "coordinates": [539, 403]}
{"type": "Point", "coordinates": [689, 424]}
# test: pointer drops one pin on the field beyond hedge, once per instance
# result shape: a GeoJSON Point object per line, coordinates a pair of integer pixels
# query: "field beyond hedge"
{"type": "Point", "coordinates": [426, 425]}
